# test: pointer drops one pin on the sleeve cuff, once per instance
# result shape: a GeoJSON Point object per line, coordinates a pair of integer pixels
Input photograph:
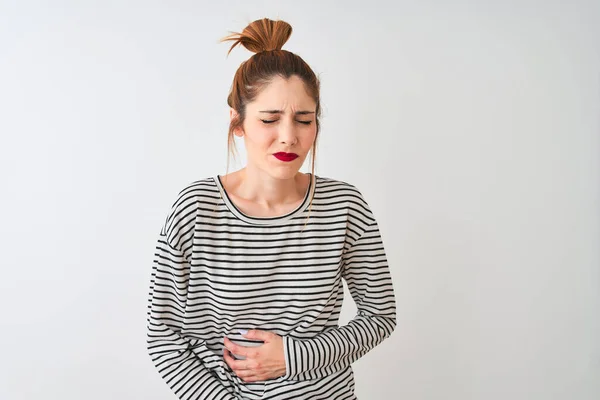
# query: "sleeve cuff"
{"type": "Point", "coordinates": [289, 352]}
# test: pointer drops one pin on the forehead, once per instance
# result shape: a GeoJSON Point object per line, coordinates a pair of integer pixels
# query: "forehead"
{"type": "Point", "coordinates": [283, 93]}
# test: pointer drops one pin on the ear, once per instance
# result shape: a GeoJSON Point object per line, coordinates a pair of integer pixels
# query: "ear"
{"type": "Point", "coordinates": [232, 115]}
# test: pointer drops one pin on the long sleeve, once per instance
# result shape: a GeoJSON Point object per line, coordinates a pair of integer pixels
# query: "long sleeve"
{"type": "Point", "coordinates": [179, 359]}
{"type": "Point", "coordinates": [365, 269]}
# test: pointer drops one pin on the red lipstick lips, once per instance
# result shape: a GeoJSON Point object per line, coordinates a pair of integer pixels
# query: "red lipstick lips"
{"type": "Point", "coordinates": [287, 157]}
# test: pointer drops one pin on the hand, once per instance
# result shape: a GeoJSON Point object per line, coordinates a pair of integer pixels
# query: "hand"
{"type": "Point", "coordinates": [266, 361]}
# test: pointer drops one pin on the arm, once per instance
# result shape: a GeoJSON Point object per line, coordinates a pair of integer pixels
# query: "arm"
{"type": "Point", "coordinates": [175, 356]}
{"type": "Point", "coordinates": [367, 274]}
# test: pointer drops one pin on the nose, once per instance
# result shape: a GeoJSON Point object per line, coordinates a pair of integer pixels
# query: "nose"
{"type": "Point", "coordinates": [287, 133]}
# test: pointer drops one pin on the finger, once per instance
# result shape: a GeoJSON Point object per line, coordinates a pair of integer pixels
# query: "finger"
{"type": "Point", "coordinates": [228, 357]}
{"type": "Point", "coordinates": [238, 365]}
{"type": "Point", "coordinates": [250, 376]}
{"type": "Point", "coordinates": [245, 373]}
{"type": "Point", "coordinates": [254, 378]}
{"type": "Point", "coordinates": [257, 334]}
{"type": "Point", "coordinates": [236, 348]}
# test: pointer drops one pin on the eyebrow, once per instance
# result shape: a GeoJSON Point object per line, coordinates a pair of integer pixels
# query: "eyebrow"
{"type": "Point", "coordinates": [281, 112]}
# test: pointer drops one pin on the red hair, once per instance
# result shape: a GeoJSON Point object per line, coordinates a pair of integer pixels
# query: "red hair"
{"type": "Point", "coordinates": [265, 38]}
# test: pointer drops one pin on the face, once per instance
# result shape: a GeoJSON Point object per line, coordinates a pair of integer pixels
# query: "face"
{"type": "Point", "coordinates": [280, 120]}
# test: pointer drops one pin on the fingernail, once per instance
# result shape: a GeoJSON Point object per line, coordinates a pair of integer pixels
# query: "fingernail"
{"type": "Point", "coordinates": [243, 331]}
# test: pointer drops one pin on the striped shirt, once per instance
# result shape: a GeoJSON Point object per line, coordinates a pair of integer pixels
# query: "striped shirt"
{"type": "Point", "coordinates": [217, 270]}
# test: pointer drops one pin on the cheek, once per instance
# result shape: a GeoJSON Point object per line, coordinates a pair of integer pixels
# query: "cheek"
{"type": "Point", "coordinates": [259, 136]}
{"type": "Point", "coordinates": [310, 138]}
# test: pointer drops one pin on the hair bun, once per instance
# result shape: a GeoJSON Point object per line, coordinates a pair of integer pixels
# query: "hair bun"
{"type": "Point", "coordinates": [261, 35]}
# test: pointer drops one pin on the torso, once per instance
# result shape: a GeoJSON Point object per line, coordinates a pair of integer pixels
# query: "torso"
{"type": "Point", "coordinates": [283, 275]}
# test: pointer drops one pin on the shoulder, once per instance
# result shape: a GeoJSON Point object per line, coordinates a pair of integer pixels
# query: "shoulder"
{"type": "Point", "coordinates": [331, 185]}
{"type": "Point", "coordinates": [188, 200]}
{"type": "Point", "coordinates": [201, 190]}
{"type": "Point", "coordinates": [346, 193]}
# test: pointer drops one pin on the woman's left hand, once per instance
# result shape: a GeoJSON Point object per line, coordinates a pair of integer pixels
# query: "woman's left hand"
{"type": "Point", "coordinates": [264, 362]}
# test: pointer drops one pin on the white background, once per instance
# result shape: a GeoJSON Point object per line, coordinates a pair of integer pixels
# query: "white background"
{"type": "Point", "coordinates": [472, 129]}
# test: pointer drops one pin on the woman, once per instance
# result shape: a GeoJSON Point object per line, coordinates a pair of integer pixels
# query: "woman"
{"type": "Point", "coordinates": [246, 286]}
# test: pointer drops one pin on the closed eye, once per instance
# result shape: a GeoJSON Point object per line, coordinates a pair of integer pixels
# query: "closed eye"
{"type": "Point", "coordinates": [267, 121]}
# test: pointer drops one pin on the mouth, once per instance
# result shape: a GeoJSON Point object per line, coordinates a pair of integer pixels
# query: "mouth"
{"type": "Point", "coordinates": [287, 157]}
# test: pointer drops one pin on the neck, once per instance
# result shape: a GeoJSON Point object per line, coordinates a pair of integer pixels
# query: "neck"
{"type": "Point", "coordinates": [268, 192]}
